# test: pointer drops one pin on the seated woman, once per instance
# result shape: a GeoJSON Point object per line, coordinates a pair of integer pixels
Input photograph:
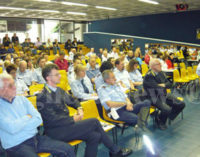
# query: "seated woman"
{"type": "Point", "coordinates": [138, 55]}
{"type": "Point", "coordinates": [134, 73]}
{"type": "Point", "coordinates": [82, 87]}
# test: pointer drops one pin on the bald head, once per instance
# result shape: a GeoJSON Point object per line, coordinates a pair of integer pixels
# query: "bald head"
{"type": "Point", "coordinates": [92, 62]}
{"type": "Point", "coordinates": [22, 66]}
{"type": "Point", "coordinates": [155, 65]}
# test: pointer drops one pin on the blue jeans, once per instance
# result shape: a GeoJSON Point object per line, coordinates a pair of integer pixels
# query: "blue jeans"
{"type": "Point", "coordinates": [130, 117]}
{"type": "Point", "coordinates": [39, 144]}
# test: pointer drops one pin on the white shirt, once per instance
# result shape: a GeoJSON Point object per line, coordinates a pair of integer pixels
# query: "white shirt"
{"type": "Point", "coordinates": [123, 76]}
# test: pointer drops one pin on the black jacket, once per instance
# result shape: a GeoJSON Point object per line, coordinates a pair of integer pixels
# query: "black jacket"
{"type": "Point", "coordinates": [52, 106]}
{"type": "Point", "coordinates": [150, 84]}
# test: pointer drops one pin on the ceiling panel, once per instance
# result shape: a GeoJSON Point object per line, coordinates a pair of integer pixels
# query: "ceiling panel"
{"type": "Point", "coordinates": [124, 8]}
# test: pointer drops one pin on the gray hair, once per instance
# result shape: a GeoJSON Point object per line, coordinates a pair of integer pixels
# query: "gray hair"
{"type": "Point", "coordinates": [153, 61]}
{"type": "Point", "coordinates": [21, 62]}
{"type": "Point", "coordinates": [105, 74]}
{"type": "Point", "coordinates": [4, 76]}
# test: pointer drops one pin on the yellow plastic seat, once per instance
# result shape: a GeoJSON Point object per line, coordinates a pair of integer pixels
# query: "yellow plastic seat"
{"type": "Point", "coordinates": [182, 65]}
{"type": "Point", "coordinates": [44, 154]}
{"type": "Point", "coordinates": [184, 75]}
{"type": "Point", "coordinates": [33, 100]}
{"type": "Point", "coordinates": [175, 65]}
{"type": "Point", "coordinates": [177, 78]}
{"type": "Point", "coordinates": [1, 70]}
{"type": "Point", "coordinates": [36, 88]}
{"type": "Point", "coordinates": [107, 118]}
{"type": "Point", "coordinates": [144, 69]}
{"type": "Point", "coordinates": [98, 60]}
{"type": "Point", "coordinates": [190, 73]}
{"type": "Point", "coordinates": [152, 109]}
{"type": "Point", "coordinates": [75, 142]}
{"type": "Point", "coordinates": [91, 111]}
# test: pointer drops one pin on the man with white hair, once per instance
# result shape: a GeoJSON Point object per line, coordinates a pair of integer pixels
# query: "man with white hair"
{"type": "Point", "coordinates": [18, 126]}
{"type": "Point", "coordinates": [24, 74]}
{"type": "Point", "coordinates": [155, 84]}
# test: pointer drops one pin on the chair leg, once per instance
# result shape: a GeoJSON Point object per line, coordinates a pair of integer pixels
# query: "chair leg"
{"type": "Point", "coordinates": [169, 121]}
{"type": "Point", "coordinates": [182, 115]}
{"type": "Point", "coordinates": [123, 128]}
{"type": "Point", "coordinates": [76, 149]}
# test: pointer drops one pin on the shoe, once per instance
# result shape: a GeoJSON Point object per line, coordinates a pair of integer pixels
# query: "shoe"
{"type": "Point", "coordinates": [122, 153]}
{"type": "Point", "coordinates": [162, 126]}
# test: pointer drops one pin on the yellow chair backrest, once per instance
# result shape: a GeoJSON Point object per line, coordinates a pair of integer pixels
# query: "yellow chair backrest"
{"type": "Point", "coordinates": [62, 72]}
{"type": "Point", "coordinates": [35, 88]}
{"type": "Point", "coordinates": [183, 73]}
{"type": "Point", "coordinates": [33, 100]}
{"type": "Point", "coordinates": [1, 70]}
{"type": "Point", "coordinates": [44, 154]}
{"type": "Point", "coordinates": [144, 69]}
{"type": "Point", "coordinates": [175, 65]}
{"type": "Point", "coordinates": [176, 75]}
{"type": "Point", "coordinates": [182, 65]}
{"type": "Point", "coordinates": [98, 60]}
{"type": "Point", "coordinates": [190, 71]}
{"type": "Point", "coordinates": [90, 109]}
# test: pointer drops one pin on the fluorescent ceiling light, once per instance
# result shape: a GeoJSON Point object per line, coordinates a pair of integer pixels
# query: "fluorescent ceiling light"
{"type": "Point", "coordinates": [45, 0]}
{"type": "Point", "coordinates": [75, 4]}
{"type": "Point", "coordinates": [11, 8]}
{"type": "Point", "coordinates": [49, 11]}
{"type": "Point", "coordinates": [76, 13]}
{"type": "Point", "coordinates": [107, 8]}
{"type": "Point", "coordinates": [149, 1]}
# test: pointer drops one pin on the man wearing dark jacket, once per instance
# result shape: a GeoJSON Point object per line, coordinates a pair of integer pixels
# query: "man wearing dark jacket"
{"type": "Point", "coordinates": [155, 84]}
{"type": "Point", "coordinates": [59, 125]}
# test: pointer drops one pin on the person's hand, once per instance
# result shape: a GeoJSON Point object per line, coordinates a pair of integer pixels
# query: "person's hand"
{"type": "Point", "coordinates": [129, 106]}
{"type": "Point", "coordinates": [77, 117]}
{"type": "Point", "coordinates": [81, 113]}
{"type": "Point", "coordinates": [29, 115]}
{"type": "Point", "coordinates": [94, 94]}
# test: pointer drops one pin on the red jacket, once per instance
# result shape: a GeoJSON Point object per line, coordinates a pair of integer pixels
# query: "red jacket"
{"type": "Point", "coordinates": [147, 59]}
{"type": "Point", "coordinates": [170, 65]}
{"type": "Point", "coordinates": [63, 65]}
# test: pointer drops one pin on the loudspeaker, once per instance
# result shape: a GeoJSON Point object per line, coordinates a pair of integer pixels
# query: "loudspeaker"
{"type": "Point", "coordinates": [182, 7]}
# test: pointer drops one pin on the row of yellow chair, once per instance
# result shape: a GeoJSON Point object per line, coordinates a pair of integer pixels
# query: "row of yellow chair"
{"type": "Point", "coordinates": [185, 75]}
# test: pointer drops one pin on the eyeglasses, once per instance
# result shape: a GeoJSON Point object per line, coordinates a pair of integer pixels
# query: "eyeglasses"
{"type": "Point", "coordinates": [58, 74]}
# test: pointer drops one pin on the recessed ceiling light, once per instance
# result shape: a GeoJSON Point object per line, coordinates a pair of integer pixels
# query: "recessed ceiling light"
{"type": "Point", "coordinates": [76, 13]}
{"type": "Point", "coordinates": [149, 1]}
{"type": "Point", "coordinates": [107, 8]}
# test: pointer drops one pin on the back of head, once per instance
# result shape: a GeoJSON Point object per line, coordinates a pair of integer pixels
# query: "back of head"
{"type": "Point", "coordinates": [10, 68]}
{"type": "Point", "coordinates": [106, 66]}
